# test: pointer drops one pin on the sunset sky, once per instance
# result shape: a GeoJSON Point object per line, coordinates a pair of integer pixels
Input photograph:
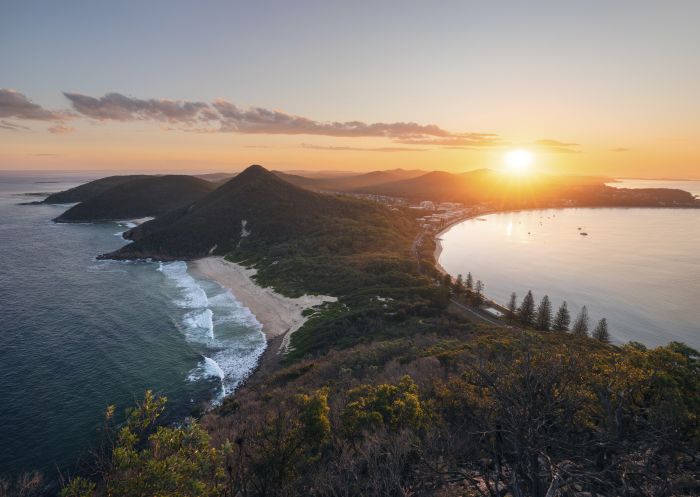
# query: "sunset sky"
{"type": "Point", "coordinates": [589, 87]}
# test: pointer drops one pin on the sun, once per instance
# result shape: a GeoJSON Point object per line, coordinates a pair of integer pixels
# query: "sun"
{"type": "Point", "coordinates": [519, 161]}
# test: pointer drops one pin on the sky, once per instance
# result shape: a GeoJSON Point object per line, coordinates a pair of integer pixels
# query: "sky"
{"type": "Point", "coordinates": [588, 87]}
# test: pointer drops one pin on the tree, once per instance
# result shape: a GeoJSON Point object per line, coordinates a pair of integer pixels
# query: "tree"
{"type": "Point", "coordinates": [445, 289]}
{"type": "Point", "coordinates": [527, 310]}
{"type": "Point", "coordinates": [601, 331]}
{"type": "Point", "coordinates": [544, 315]}
{"type": "Point", "coordinates": [580, 327]}
{"type": "Point", "coordinates": [459, 285]}
{"type": "Point", "coordinates": [479, 293]}
{"type": "Point", "coordinates": [151, 459]}
{"type": "Point", "coordinates": [470, 283]}
{"type": "Point", "coordinates": [513, 307]}
{"type": "Point", "coordinates": [562, 319]}
{"type": "Point", "coordinates": [447, 281]}
{"type": "Point", "coordinates": [392, 406]}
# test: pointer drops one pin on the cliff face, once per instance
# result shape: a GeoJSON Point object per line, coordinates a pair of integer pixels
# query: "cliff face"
{"type": "Point", "coordinates": [260, 213]}
{"type": "Point", "coordinates": [139, 197]}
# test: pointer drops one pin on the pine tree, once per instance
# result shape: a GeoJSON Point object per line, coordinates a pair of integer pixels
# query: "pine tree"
{"type": "Point", "coordinates": [470, 283]}
{"type": "Point", "coordinates": [580, 327]}
{"type": "Point", "coordinates": [544, 315]}
{"type": "Point", "coordinates": [513, 307]}
{"type": "Point", "coordinates": [459, 285]}
{"type": "Point", "coordinates": [446, 288]}
{"type": "Point", "coordinates": [562, 319]}
{"type": "Point", "coordinates": [601, 331]}
{"type": "Point", "coordinates": [527, 310]}
{"type": "Point", "coordinates": [479, 293]}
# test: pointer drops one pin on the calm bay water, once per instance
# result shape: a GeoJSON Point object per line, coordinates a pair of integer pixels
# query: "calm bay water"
{"type": "Point", "coordinates": [78, 334]}
{"type": "Point", "coordinates": [640, 268]}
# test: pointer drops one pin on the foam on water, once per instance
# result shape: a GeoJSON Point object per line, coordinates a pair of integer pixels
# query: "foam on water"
{"type": "Point", "coordinates": [209, 368]}
{"type": "Point", "coordinates": [193, 295]}
{"type": "Point", "coordinates": [239, 360]}
{"type": "Point", "coordinates": [199, 324]}
{"type": "Point", "coordinates": [226, 333]}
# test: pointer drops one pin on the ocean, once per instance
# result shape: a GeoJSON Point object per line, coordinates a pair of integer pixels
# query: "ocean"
{"type": "Point", "coordinates": [77, 334]}
{"type": "Point", "coordinates": [639, 268]}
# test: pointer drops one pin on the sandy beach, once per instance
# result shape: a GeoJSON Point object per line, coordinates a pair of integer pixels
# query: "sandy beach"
{"type": "Point", "coordinates": [438, 251]}
{"type": "Point", "coordinates": [279, 315]}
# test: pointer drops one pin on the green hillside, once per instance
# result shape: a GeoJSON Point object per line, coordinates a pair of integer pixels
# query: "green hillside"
{"type": "Point", "coordinates": [139, 197]}
{"type": "Point", "coordinates": [90, 189]}
{"type": "Point", "coordinates": [258, 213]}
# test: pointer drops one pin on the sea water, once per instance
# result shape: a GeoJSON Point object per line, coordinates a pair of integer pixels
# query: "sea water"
{"type": "Point", "coordinates": [78, 334]}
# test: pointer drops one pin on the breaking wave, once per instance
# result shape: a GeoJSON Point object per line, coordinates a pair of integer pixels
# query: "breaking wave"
{"type": "Point", "coordinates": [226, 334]}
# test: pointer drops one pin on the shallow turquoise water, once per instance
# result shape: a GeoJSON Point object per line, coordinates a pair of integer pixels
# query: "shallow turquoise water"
{"type": "Point", "coordinates": [78, 334]}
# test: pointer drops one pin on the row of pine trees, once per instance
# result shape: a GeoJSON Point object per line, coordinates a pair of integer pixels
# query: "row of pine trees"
{"type": "Point", "coordinates": [530, 315]}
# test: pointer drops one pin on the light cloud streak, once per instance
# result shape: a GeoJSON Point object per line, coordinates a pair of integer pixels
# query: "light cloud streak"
{"type": "Point", "coordinates": [557, 146]}
{"type": "Point", "coordinates": [362, 149]}
{"type": "Point", "coordinates": [12, 126]}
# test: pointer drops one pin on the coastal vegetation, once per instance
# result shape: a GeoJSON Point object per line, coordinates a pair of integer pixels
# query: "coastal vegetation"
{"type": "Point", "coordinates": [391, 390]}
{"type": "Point", "coordinates": [137, 197]}
{"type": "Point", "coordinates": [445, 411]}
{"type": "Point", "coordinates": [90, 189]}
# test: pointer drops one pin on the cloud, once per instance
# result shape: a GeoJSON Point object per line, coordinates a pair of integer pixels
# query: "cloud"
{"type": "Point", "coordinates": [118, 107]}
{"type": "Point", "coordinates": [60, 129]}
{"type": "Point", "coordinates": [458, 140]}
{"type": "Point", "coordinates": [557, 146]}
{"type": "Point", "coordinates": [226, 117]}
{"type": "Point", "coordinates": [258, 120]}
{"type": "Point", "coordinates": [620, 149]}
{"type": "Point", "coordinates": [363, 149]}
{"type": "Point", "coordinates": [14, 104]}
{"type": "Point", "coordinates": [12, 126]}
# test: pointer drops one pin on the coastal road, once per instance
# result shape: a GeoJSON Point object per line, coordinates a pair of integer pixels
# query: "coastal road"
{"type": "Point", "coordinates": [477, 314]}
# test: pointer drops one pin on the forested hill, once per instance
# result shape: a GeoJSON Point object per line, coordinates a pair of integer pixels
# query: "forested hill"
{"type": "Point", "coordinates": [256, 212]}
{"type": "Point", "coordinates": [531, 191]}
{"type": "Point", "coordinates": [88, 190]}
{"type": "Point", "coordinates": [141, 196]}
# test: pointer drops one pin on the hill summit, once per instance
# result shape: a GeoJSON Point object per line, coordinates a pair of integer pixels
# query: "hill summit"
{"type": "Point", "coordinates": [258, 213]}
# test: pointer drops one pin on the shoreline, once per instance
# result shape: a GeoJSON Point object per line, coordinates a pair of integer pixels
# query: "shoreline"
{"type": "Point", "coordinates": [438, 241]}
{"type": "Point", "coordinates": [279, 316]}
{"type": "Point", "coordinates": [438, 250]}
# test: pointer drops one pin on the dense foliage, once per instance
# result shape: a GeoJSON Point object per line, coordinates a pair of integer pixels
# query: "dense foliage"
{"type": "Point", "coordinates": [437, 413]}
{"type": "Point", "coordinates": [257, 213]}
{"type": "Point", "coordinates": [88, 190]}
{"type": "Point", "coordinates": [138, 197]}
